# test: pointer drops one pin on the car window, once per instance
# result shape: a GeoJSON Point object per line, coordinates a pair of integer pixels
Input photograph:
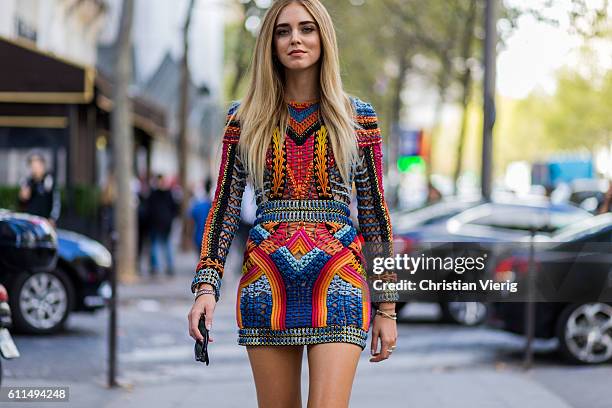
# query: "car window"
{"type": "Point", "coordinates": [428, 215]}
{"type": "Point", "coordinates": [601, 224]}
{"type": "Point", "coordinates": [525, 218]}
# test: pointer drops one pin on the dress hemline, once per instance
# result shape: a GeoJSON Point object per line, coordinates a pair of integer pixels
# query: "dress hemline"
{"type": "Point", "coordinates": [297, 336]}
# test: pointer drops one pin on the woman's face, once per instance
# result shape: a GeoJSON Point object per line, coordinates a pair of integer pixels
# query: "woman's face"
{"type": "Point", "coordinates": [296, 38]}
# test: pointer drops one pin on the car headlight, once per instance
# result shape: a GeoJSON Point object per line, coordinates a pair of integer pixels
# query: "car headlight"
{"type": "Point", "coordinates": [101, 256]}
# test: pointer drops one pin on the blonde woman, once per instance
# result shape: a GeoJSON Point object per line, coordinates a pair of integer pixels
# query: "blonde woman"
{"type": "Point", "coordinates": [303, 277]}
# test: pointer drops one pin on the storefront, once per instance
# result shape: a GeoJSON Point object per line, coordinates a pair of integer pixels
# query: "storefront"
{"type": "Point", "coordinates": [63, 110]}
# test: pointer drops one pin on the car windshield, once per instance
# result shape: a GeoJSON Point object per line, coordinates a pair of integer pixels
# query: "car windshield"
{"type": "Point", "coordinates": [542, 219]}
{"type": "Point", "coordinates": [584, 227]}
{"type": "Point", "coordinates": [428, 215]}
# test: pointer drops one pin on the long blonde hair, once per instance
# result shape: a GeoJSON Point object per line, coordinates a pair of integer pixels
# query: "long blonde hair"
{"type": "Point", "coordinates": [264, 107]}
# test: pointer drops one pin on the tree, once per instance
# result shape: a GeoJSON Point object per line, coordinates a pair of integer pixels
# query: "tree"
{"type": "Point", "coordinates": [183, 148]}
{"type": "Point", "coordinates": [240, 42]}
{"type": "Point", "coordinates": [465, 80]}
{"type": "Point", "coordinates": [123, 148]}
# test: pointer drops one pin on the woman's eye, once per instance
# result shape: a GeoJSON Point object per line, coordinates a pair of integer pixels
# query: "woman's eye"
{"type": "Point", "coordinates": [308, 29]}
{"type": "Point", "coordinates": [281, 32]}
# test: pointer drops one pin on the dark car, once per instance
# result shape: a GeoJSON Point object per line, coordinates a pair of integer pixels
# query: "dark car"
{"type": "Point", "coordinates": [575, 265]}
{"type": "Point", "coordinates": [414, 226]}
{"type": "Point", "coordinates": [87, 262]}
{"type": "Point", "coordinates": [586, 193]}
{"type": "Point", "coordinates": [483, 230]}
{"type": "Point", "coordinates": [49, 273]}
{"type": "Point", "coordinates": [26, 242]}
{"type": "Point", "coordinates": [511, 221]}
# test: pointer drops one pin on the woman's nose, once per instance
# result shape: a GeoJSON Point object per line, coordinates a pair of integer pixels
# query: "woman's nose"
{"type": "Point", "coordinates": [295, 37]}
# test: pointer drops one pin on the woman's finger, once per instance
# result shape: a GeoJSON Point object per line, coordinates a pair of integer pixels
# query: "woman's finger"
{"type": "Point", "coordinates": [208, 312]}
{"type": "Point", "coordinates": [374, 343]}
{"type": "Point", "coordinates": [193, 324]}
{"type": "Point", "coordinates": [387, 342]}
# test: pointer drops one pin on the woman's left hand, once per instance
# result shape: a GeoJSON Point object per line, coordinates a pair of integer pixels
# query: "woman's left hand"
{"type": "Point", "coordinates": [385, 330]}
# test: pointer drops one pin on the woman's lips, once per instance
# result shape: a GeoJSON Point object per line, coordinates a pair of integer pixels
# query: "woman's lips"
{"type": "Point", "coordinates": [297, 53]}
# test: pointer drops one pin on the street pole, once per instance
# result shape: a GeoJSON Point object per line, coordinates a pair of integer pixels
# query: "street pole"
{"type": "Point", "coordinates": [183, 115]}
{"type": "Point", "coordinates": [112, 321]}
{"type": "Point", "coordinates": [123, 236]}
{"type": "Point", "coordinates": [489, 97]}
{"type": "Point", "coordinates": [123, 148]}
{"type": "Point", "coordinates": [530, 305]}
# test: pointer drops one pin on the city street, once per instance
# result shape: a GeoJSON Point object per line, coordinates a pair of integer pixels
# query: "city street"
{"type": "Point", "coordinates": [434, 366]}
{"type": "Point", "coordinates": [464, 147]}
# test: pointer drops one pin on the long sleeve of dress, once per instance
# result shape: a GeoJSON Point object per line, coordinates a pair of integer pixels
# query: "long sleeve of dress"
{"type": "Point", "coordinates": [223, 219]}
{"type": "Point", "coordinates": [372, 210]}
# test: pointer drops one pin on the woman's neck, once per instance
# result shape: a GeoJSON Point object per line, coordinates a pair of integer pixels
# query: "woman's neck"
{"type": "Point", "coordinates": [302, 85]}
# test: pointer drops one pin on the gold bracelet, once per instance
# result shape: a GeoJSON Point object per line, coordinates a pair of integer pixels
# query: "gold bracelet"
{"type": "Point", "coordinates": [392, 316]}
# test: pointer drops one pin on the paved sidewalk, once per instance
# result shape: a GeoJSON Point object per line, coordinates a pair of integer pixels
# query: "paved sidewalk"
{"type": "Point", "coordinates": [469, 389]}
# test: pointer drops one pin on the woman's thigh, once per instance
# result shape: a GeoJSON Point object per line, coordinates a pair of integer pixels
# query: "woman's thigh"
{"type": "Point", "coordinates": [277, 372]}
{"type": "Point", "coordinates": [331, 369]}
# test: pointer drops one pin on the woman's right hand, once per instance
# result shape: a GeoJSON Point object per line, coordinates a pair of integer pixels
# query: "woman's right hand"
{"type": "Point", "coordinates": [204, 305]}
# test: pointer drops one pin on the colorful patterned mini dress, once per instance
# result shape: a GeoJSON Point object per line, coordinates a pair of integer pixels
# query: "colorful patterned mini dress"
{"type": "Point", "coordinates": [303, 275]}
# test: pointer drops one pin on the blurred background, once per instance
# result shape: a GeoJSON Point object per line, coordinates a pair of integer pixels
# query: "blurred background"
{"type": "Point", "coordinates": [111, 115]}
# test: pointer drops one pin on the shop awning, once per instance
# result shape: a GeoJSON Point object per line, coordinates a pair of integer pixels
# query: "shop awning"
{"type": "Point", "coordinates": [36, 87]}
{"type": "Point", "coordinates": [29, 75]}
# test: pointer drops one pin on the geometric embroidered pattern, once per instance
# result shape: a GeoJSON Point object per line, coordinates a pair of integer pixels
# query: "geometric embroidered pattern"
{"type": "Point", "coordinates": [303, 275]}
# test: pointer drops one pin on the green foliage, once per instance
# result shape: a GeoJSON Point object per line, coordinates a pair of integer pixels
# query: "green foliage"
{"type": "Point", "coordinates": [85, 200]}
{"type": "Point", "coordinates": [431, 40]}
{"type": "Point", "coordinates": [575, 117]}
{"type": "Point", "coordinates": [580, 113]}
{"type": "Point", "coordinates": [8, 197]}
{"type": "Point", "coordinates": [239, 46]}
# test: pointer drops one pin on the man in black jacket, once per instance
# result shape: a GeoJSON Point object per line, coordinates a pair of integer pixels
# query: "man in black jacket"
{"type": "Point", "coordinates": [162, 208]}
{"type": "Point", "coordinates": [39, 194]}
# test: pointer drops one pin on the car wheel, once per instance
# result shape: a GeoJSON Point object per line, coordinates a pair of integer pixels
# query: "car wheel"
{"type": "Point", "coordinates": [464, 313]}
{"type": "Point", "coordinates": [585, 333]}
{"type": "Point", "coordinates": [41, 302]}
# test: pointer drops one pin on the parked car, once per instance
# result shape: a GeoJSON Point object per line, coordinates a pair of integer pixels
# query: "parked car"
{"type": "Point", "coordinates": [511, 221]}
{"type": "Point", "coordinates": [586, 193]}
{"type": "Point", "coordinates": [482, 229]}
{"type": "Point", "coordinates": [43, 294]}
{"type": "Point", "coordinates": [8, 349]}
{"type": "Point", "coordinates": [87, 262]}
{"type": "Point", "coordinates": [412, 228]}
{"type": "Point", "coordinates": [576, 262]}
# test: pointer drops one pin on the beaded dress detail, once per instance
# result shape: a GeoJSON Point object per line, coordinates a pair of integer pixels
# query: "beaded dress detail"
{"type": "Point", "coordinates": [303, 275]}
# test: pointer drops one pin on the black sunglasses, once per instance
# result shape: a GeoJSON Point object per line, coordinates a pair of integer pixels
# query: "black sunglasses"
{"type": "Point", "coordinates": [201, 347]}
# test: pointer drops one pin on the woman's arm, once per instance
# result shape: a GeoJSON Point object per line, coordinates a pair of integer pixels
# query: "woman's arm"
{"type": "Point", "coordinates": [223, 219]}
{"type": "Point", "coordinates": [373, 213]}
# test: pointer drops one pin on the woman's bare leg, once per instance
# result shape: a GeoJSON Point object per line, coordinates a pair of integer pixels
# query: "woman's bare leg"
{"type": "Point", "coordinates": [331, 370]}
{"type": "Point", "coordinates": [277, 372]}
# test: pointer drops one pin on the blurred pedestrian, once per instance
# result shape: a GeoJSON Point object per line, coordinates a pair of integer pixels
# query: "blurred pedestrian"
{"type": "Point", "coordinates": [199, 212]}
{"type": "Point", "coordinates": [606, 205]}
{"type": "Point", "coordinates": [433, 194]}
{"type": "Point", "coordinates": [108, 197]}
{"type": "Point", "coordinates": [161, 211]}
{"type": "Point", "coordinates": [38, 194]}
{"type": "Point", "coordinates": [144, 233]}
